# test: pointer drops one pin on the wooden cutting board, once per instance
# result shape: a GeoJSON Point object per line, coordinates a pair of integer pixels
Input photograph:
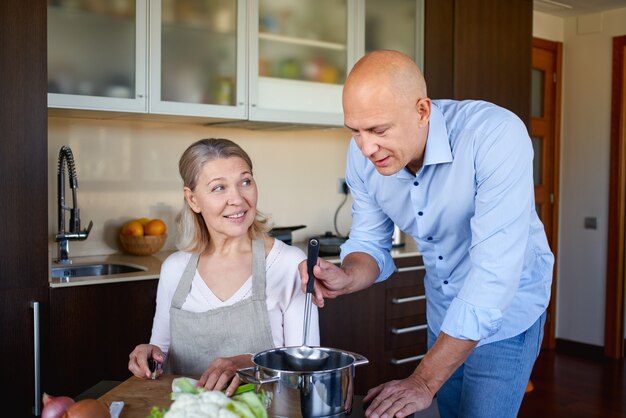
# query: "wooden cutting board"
{"type": "Point", "coordinates": [140, 395]}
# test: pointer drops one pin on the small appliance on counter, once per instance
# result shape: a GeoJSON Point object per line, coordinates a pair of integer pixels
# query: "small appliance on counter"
{"type": "Point", "coordinates": [284, 233]}
{"type": "Point", "coordinates": [397, 240]}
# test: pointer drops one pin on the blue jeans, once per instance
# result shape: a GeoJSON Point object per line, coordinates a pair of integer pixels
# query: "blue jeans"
{"type": "Point", "coordinates": [492, 381]}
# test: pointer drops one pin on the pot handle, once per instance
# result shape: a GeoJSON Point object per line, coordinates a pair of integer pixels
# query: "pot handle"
{"type": "Point", "coordinates": [247, 375]}
{"type": "Point", "coordinates": [359, 360]}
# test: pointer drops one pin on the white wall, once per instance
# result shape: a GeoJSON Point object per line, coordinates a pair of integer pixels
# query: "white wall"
{"type": "Point", "coordinates": [585, 148]}
{"type": "Point", "coordinates": [130, 169]}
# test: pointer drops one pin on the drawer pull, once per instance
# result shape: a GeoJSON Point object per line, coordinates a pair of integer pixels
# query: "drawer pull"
{"type": "Point", "coordinates": [406, 359]}
{"type": "Point", "coordinates": [412, 268]}
{"type": "Point", "coordinates": [406, 330]}
{"type": "Point", "coordinates": [399, 301]}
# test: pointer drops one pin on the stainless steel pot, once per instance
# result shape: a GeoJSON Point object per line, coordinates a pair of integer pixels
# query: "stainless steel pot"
{"type": "Point", "coordinates": [308, 389]}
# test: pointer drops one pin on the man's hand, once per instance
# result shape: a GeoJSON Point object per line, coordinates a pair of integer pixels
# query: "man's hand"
{"type": "Point", "coordinates": [331, 281]}
{"type": "Point", "coordinates": [398, 398]}
{"type": "Point", "coordinates": [358, 271]}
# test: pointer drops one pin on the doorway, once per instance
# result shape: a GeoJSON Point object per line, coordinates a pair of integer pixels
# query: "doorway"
{"type": "Point", "coordinates": [545, 134]}
{"type": "Point", "coordinates": [615, 271]}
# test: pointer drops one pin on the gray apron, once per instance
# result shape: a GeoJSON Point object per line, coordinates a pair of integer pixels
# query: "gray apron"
{"type": "Point", "coordinates": [198, 338]}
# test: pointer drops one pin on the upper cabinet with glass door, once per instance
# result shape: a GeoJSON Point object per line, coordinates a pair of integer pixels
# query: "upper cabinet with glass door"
{"type": "Point", "coordinates": [97, 54]}
{"type": "Point", "coordinates": [394, 24]}
{"type": "Point", "coordinates": [197, 58]}
{"type": "Point", "coordinates": [299, 55]}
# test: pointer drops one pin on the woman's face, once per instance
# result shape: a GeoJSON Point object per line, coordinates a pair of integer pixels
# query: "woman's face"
{"type": "Point", "coordinates": [226, 197]}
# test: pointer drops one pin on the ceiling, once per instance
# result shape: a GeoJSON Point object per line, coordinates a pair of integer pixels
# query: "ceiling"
{"type": "Point", "coordinates": [565, 8]}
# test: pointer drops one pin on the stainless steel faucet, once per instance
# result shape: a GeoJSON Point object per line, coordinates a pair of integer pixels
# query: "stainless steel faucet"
{"type": "Point", "coordinates": [63, 237]}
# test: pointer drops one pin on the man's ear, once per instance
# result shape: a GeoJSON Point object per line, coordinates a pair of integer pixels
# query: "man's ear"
{"type": "Point", "coordinates": [422, 108]}
{"type": "Point", "coordinates": [191, 199]}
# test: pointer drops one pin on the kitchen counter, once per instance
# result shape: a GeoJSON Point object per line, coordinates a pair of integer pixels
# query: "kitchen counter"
{"type": "Point", "coordinates": [152, 263]}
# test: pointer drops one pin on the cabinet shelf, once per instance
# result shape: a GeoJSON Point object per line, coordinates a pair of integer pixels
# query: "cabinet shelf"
{"type": "Point", "coordinates": [301, 41]}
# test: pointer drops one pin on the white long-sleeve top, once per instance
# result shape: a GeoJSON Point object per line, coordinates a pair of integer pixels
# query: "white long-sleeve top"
{"type": "Point", "coordinates": [284, 297]}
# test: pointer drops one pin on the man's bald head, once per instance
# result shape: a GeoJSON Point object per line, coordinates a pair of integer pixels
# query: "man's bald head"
{"type": "Point", "coordinates": [389, 70]}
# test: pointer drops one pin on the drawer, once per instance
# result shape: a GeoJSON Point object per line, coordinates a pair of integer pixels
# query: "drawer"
{"type": "Point", "coordinates": [403, 361]}
{"type": "Point", "coordinates": [405, 301]}
{"type": "Point", "coordinates": [407, 276]}
{"type": "Point", "coordinates": [406, 331]}
{"type": "Point", "coordinates": [408, 261]}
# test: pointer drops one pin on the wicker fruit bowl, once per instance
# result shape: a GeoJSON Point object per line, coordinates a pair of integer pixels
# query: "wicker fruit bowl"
{"type": "Point", "coordinates": [145, 245]}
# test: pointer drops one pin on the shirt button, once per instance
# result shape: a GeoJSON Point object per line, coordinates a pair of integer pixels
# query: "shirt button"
{"type": "Point", "coordinates": [445, 282]}
{"type": "Point", "coordinates": [416, 183]}
{"type": "Point", "coordinates": [440, 257]}
{"type": "Point", "coordinates": [420, 213]}
{"type": "Point", "coordinates": [429, 238]}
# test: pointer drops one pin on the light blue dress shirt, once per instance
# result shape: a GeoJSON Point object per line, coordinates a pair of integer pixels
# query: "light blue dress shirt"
{"type": "Point", "coordinates": [471, 210]}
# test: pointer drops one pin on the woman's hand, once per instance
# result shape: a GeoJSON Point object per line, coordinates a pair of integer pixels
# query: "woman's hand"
{"type": "Point", "coordinates": [138, 360]}
{"type": "Point", "coordinates": [222, 373]}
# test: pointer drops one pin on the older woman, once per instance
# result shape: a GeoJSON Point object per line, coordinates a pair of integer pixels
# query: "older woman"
{"type": "Point", "coordinates": [231, 290]}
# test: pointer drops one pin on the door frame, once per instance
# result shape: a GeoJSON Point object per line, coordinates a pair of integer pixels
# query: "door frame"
{"type": "Point", "coordinates": [615, 269]}
{"type": "Point", "coordinates": [549, 340]}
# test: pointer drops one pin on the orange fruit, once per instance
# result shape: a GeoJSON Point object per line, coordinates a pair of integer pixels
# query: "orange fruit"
{"type": "Point", "coordinates": [154, 227]}
{"type": "Point", "coordinates": [143, 221]}
{"type": "Point", "coordinates": [133, 229]}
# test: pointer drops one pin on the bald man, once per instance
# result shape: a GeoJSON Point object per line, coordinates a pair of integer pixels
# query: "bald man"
{"type": "Point", "coordinates": [457, 176]}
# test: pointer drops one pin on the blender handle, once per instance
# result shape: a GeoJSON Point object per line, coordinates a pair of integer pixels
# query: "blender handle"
{"type": "Point", "coordinates": [247, 375]}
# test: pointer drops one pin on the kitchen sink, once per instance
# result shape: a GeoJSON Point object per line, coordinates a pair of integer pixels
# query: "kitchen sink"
{"type": "Point", "coordinates": [99, 269]}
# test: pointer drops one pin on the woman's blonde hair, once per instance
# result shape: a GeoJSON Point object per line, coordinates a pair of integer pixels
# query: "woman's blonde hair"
{"type": "Point", "coordinates": [193, 234]}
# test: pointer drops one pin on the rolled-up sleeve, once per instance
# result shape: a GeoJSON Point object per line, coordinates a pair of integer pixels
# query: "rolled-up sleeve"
{"type": "Point", "coordinates": [371, 228]}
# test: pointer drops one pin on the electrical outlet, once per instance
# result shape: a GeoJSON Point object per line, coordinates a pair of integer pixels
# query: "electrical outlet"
{"type": "Point", "coordinates": [342, 187]}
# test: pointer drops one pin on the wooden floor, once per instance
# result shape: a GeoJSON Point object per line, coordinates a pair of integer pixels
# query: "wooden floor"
{"type": "Point", "coordinates": [575, 387]}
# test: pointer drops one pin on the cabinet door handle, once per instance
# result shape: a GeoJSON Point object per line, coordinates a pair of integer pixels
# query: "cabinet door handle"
{"type": "Point", "coordinates": [37, 406]}
{"type": "Point", "coordinates": [406, 359]}
{"type": "Point", "coordinates": [412, 268]}
{"type": "Point", "coordinates": [398, 331]}
{"type": "Point", "coordinates": [399, 301]}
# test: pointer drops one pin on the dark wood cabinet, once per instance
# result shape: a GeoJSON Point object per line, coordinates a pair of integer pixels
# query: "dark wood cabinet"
{"type": "Point", "coordinates": [94, 330]}
{"type": "Point", "coordinates": [480, 49]}
{"type": "Point", "coordinates": [385, 323]}
{"type": "Point", "coordinates": [24, 201]}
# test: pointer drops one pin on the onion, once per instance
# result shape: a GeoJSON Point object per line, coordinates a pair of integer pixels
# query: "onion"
{"type": "Point", "coordinates": [88, 408]}
{"type": "Point", "coordinates": [55, 406]}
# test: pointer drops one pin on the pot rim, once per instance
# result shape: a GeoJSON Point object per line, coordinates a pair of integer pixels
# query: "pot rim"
{"type": "Point", "coordinates": [357, 360]}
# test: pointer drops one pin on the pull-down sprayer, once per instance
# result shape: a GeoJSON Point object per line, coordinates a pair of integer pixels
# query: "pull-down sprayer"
{"type": "Point", "coordinates": [74, 233]}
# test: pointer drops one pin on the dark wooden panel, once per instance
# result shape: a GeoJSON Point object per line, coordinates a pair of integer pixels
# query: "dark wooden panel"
{"type": "Point", "coordinates": [493, 53]}
{"type": "Point", "coordinates": [23, 191]}
{"type": "Point", "coordinates": [95, 329]}
{"type": "Point", "coordinates": [439, 48]}
{"type": "Point", "coordinates": [23, 144]}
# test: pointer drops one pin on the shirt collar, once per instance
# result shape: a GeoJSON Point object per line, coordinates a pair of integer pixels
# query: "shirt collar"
{"type": "Point", "coordinates": [437, 146]}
